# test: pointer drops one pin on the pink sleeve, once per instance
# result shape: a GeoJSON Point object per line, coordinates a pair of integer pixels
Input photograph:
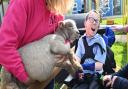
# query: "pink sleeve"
{"type": "Point", "coordinates": [12, 28]}
{"type": "Point", "coordinates": [61, 17]}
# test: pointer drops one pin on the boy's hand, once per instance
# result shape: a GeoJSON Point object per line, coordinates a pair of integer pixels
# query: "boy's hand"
{"type": "Point", "coordinates": [79, 75]}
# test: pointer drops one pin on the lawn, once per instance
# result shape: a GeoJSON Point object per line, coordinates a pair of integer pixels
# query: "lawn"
{"type": "Point", "coordinates": [120, 52]}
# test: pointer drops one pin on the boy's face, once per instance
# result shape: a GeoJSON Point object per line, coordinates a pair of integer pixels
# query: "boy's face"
{"type": "Point", "coordinates": [92, 24]}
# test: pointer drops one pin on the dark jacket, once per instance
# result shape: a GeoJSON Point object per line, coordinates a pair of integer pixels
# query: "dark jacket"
{"type": "Point", "coordinates": [122, 80]}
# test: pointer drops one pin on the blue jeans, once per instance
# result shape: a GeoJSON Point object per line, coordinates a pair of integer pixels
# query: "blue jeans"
{"type": "Point", "coordinates": [50, 85]}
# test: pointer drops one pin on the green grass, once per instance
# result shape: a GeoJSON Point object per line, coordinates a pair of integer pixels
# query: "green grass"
{"type": "Point", "coordinates": [120, 33]}
{"type": "Point", "coordinates": [116, 21]}
{"type": "Point", "coordinates": [57, 86]}
{"type": "Point", "coordinates": [120, 53]}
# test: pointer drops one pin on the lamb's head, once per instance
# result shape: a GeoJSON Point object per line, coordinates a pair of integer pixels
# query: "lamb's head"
{"type": "Point", "coordinates": [68, 30]}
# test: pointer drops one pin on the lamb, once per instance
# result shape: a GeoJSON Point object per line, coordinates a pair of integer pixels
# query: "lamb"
{"type": "Point", "coordinates": [43, 51]}
{"type": "Point", "coordinates": [39, 56]}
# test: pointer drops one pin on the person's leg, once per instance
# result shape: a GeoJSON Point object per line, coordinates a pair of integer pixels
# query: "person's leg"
{"type": "Point", "coordinates": [50, 85]}
{"type": "Point", "coordinates": [94, 85]}
{"type": "Point", "coordinates": [80, 86]}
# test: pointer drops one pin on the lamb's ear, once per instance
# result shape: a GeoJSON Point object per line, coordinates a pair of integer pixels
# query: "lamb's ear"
{"type": "Point", "coordinates": [61, 24]}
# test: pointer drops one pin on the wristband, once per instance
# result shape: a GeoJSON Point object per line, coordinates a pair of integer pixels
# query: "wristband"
{"type": "Point", "coordinates": [90, 66]}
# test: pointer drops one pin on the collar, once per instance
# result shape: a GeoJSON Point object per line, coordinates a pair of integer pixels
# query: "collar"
{"type": "Point", "coordinates": [67, 42]}
{"type": "Point", "coordinates": [89, 37]}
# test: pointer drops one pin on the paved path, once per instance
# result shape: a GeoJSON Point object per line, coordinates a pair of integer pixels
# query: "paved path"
{"type": "Point", "coordinates": [121, 38]}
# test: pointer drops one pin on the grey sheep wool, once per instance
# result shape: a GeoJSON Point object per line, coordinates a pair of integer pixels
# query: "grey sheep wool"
{"type": "Point", "coordinates": [39, 56]}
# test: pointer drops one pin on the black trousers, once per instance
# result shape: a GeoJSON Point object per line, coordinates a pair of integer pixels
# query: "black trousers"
{"type": "Point", "coordinates": [92, 82]}
{"type": "Point", "coordinates": [93, 85]}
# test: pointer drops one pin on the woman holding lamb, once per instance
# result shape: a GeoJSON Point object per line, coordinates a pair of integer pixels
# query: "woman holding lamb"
{"type": "Point", "coordinates": [26, 21]}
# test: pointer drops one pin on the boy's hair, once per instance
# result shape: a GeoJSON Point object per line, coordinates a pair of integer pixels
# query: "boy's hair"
{"type": "Point", "coordinates": [60, 6]}
{"type": "Point", "coordinates": [97, 12]}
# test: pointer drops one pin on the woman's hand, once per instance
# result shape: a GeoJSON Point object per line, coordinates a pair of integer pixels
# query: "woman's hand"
{"type": "Point", "coordinates": [118, 28]}
{"type": "Point", "coordinates": [108, 80]}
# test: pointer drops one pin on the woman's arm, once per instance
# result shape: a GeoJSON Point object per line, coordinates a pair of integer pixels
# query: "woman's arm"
{"type": "Point", "coordinates": [12, 28]}
{"type": "Point", "coordinates": [120, 29]}
{"type": "Point", "coordinates": [119, 79]}
{"type": "Point", "coordinates": [120, 83]}
{"type": "Point", "coordinates": [123, 72]}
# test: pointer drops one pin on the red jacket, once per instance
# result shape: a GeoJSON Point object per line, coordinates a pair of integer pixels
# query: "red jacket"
{"type": "Point", "coordinates": [25, 21]}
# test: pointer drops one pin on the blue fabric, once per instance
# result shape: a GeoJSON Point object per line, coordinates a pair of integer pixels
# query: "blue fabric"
{"type": "Point", "coordinates": [50, 85]}
{"type": "Point", "coordinates": [110, 36]}
{"type": "Point", "coordinates": [105, 39]}
{"type": "Point", "coordinates": [90, 66]}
